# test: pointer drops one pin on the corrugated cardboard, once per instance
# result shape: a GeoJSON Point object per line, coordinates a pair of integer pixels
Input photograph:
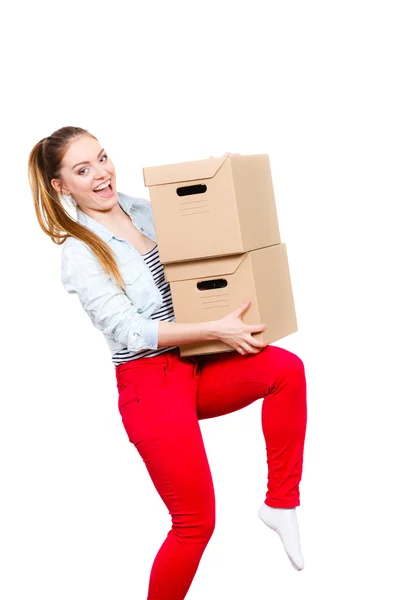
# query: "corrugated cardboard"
{"type": "Point", "coordinates": [261, 276]}
{"type": "Point", "coordinates": [213, 207]}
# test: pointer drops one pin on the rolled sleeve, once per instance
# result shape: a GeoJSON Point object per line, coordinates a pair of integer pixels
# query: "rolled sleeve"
{"type": "Point", "coordinates": [150, 333]}
{"type": "Point", "coordinates": [109, 308]}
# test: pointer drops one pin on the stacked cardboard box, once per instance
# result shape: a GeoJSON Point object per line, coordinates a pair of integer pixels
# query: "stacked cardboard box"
{"type": "Point", "coordinates": [218, 238]}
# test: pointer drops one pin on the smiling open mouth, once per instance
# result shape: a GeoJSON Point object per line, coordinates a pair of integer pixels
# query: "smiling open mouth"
{"type": "Point", "coordinates": [104, 192]}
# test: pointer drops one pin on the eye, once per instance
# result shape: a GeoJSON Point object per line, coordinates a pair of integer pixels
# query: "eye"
{"type": "Point", "coordinates": [86, 168]}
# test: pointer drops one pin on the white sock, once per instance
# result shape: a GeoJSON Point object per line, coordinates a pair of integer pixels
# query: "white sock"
{"type": "Point", "coordinates": [284, 522]}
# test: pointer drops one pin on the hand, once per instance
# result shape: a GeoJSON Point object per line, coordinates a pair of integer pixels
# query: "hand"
{"type": "Point", "coordinates": [232, 331]}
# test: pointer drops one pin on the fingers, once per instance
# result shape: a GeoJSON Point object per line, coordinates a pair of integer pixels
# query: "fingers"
{"type": "Point", "coordinates": [242, 308]}
{"type": "Point", "coordinates": [248, 348]}
{"type": "Point", "coordinates": [256, 328]}
{"type": "Point", "coordinates": [252, 347]}
{"type": "Point", "coordinates": [257, 343]}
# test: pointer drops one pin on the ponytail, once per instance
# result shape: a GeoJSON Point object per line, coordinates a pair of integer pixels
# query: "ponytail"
{"type": "Point", "coordinates": [44, 164]}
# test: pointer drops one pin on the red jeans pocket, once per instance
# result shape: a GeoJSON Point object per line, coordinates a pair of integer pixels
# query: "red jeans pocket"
{"type": "Point", "coordinates": [134, 414]}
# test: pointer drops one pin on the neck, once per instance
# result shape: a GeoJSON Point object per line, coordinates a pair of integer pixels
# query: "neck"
{"type": "Point", "coordinates": [114, 216]}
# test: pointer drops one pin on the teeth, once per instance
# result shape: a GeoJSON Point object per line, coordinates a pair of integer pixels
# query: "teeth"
{"type": "Point", "coordinates": [101, 187]}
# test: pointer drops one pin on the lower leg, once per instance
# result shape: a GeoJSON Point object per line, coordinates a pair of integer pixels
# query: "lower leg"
{"type": "Point", "coordinates": [181, 474]}
{"type": "Point", "coordinates": [284, 418]}
{"type": "Point", "coordinates": [176, 564]}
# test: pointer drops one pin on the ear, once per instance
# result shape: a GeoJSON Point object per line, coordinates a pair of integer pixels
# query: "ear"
{"type": "Point", "coordinates": [57, 186]}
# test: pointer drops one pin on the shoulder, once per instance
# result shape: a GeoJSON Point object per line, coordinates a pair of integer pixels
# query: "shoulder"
{"type": "Point", "coordinates": [134, 203]}
{"type": "Point", "coordinates": [133, 200]}
{"type": "Point", "coordinates": [77, 259]}
{"type": "Point", "coordinates": [80, 268]}
{"type": "Point", "coordinates": [74, 247]}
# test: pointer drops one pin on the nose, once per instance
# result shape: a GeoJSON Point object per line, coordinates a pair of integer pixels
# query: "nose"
{"type": "Point", "coordinates": [101, 172]}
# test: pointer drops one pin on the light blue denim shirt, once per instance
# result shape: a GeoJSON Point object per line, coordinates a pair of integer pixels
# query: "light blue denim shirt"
{"type": "Point", "coordinates": [122, 317]}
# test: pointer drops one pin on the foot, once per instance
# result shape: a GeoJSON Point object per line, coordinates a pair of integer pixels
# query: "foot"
{"type": "Point", "coordinates": [284, 522]}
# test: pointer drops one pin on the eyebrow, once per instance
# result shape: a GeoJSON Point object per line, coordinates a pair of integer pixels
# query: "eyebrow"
{"type": "Point", "coordinates": [86, 162]}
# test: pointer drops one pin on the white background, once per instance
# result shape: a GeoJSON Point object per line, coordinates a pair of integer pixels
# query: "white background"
{"type": "Point", "coordinates": [314, 85]}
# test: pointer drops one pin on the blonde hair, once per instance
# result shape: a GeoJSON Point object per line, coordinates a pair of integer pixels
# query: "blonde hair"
{"type": "Point", "coordinates": [44, 164]}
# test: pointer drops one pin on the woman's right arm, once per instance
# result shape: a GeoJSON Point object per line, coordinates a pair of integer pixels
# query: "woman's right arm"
{"type": "Point", "coordinates": [108, 307]}
{"type": "Point", "coordinates": [111, 311]}
{"type": "Point", "coordinates": [175, 334]}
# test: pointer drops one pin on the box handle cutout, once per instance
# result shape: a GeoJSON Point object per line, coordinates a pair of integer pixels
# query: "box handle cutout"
{"type": "Point", "coordinates": [189, 190]}
{"type": "Point", "coordinates": [212, 284]}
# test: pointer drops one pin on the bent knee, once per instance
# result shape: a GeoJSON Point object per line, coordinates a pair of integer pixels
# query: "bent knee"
{"type": "Point", "coordinates": [297, 364]}
{"type": "Point", "coordinates": [201, 530]}
{"type": "Point", "coordinates": [291, 362]}
{"type": "Point", "coordinates": [207, 527]}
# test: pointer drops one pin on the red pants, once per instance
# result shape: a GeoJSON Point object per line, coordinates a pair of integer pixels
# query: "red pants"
{"type": "Point", "coordinates": [161, 400]}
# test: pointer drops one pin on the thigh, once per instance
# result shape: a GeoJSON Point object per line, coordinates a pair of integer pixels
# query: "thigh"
{"type": "Point", "coordinates": [159, 415]}
{"type": "Point", "coordinates": [230, 381]}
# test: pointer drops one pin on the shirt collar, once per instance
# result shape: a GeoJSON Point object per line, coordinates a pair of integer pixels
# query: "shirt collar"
{"type": "Point", "coordinates": [105, 234]}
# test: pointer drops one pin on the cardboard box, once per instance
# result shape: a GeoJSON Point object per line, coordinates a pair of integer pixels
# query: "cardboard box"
{"type": "Point", "coordinates": [209, 289]}
{"type": "Point", "coordinates": [213, 207]}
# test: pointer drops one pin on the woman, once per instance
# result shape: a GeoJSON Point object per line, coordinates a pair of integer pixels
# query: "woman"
{"type": "Point", "coordinates": [110, 260]}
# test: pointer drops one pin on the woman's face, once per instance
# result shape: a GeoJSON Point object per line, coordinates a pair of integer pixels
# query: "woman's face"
{"type": "Point", "coordinates": [80, 180]}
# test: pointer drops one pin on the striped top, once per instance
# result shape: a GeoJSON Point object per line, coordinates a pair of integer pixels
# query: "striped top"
{"type": "Point", "coordinates": [164, 313]}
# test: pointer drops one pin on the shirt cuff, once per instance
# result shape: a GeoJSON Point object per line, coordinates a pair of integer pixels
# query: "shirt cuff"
{"type": "Point", "coordinates": [150, 333]}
